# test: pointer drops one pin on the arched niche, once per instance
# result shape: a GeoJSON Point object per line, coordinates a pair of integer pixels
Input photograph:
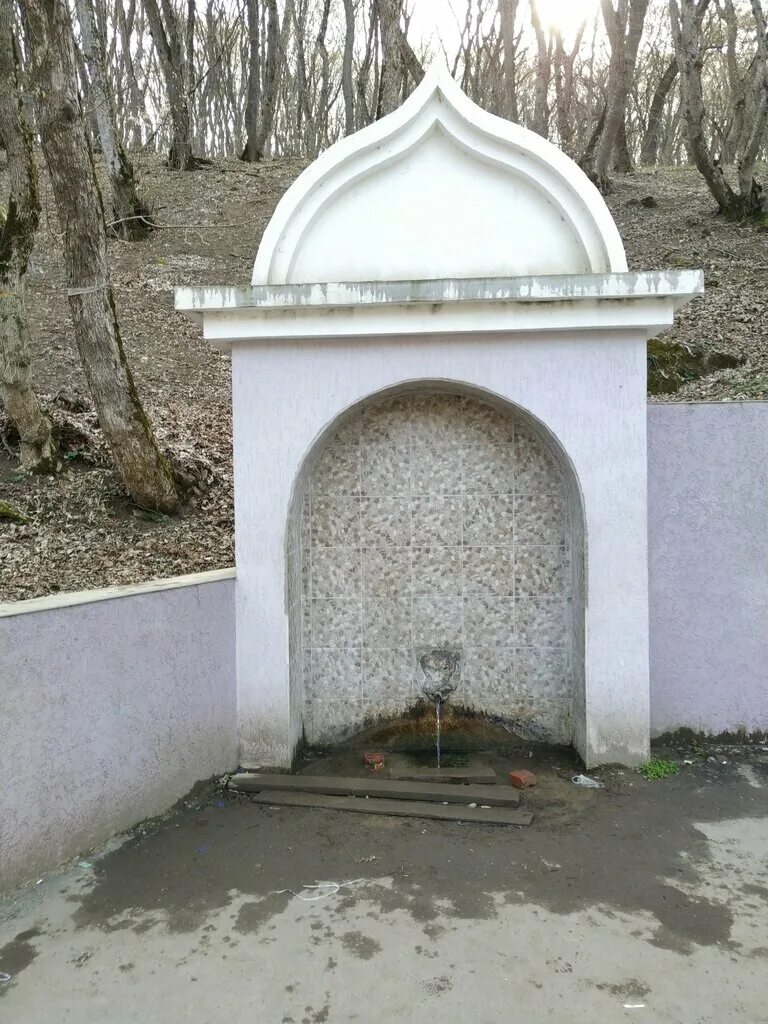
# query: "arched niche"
{"type": "Point", "coordinates": [430, 515]}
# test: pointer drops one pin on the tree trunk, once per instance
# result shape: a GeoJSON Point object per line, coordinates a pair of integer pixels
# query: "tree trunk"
{"type": "Point", "coordinates": [624, 27]}
{"type": "Point", "coordinates": [124, 21]}
{"type": "Point", "coordinates": [347, 87]}
{"type": "Point", "coordinates": [253, 87]}
{"type": "Point", "coordinates": [622, 158]}
{"type": "Point", "coordinates": [751, 191]}
{"type": "Point", "coordinates": [38, 451]}
{"type": "Point", "coordinates": [323, 100]}
{"type": "Point", "coordinates": [540, 123]}
{"type": "Point", "coordinates": [146, 474]}
{"type": "Point", "coordinates": [392, 70]}
{"type": "Point", "coordinates": [507, 16]}
{"type": "Point", "coordinates": [564, 63]}
{"type": "Point", "coordinates": [170, 51]}
{"type": "Point", "coordinates": [261, 103]}
{"type": "Point", "coordinates": [686, 32]}
{"type": "Point", "coordinates": [649, 148]}
{"type": "Point", "coordinates": [130, 217]}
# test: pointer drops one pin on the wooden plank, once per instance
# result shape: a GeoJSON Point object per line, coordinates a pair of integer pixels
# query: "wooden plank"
{"type": "Point", "coordinates": [496, 796]}
{"type": "Point", "coordinates": [401, 771]}
{"type": "Point", "coordinates": [399, 808]}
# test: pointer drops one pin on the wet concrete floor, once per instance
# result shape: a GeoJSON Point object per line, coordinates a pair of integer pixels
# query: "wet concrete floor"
{"type": "Point", "coordinates": [643, 901]}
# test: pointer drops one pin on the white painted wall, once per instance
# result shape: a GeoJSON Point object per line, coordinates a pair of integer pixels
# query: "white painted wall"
{"type": "Point", "coordinates": [590, 394]}
{"type": "Point", "coordinates": [112, 705]}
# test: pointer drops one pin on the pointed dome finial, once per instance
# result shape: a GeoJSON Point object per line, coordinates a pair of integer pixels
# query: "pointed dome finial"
{"type": "Point", "coordinates": [439, 188]}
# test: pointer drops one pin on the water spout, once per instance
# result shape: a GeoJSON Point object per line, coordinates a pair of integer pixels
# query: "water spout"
{"type": "Point", "coordinates": [439, 667]}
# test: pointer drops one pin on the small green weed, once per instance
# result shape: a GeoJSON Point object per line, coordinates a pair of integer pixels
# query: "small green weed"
{"type": "Point", "coordinates": [9, 512]}
{"type": "Point", "coordinates": [657, 768]}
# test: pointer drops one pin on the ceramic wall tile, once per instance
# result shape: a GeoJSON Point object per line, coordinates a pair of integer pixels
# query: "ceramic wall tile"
{"type": "Point", "coordinates": [536, 471]}
{"type": "Point", "coordinates": [337, 471]}
{"type": "Point", "coordinates": [489, 621]}
{"type": "Point", "coordinates": [336, 673]}
{"type": "Point", "coordinates": [489, 571]}
{"type": "Point", "coordinates": [540, 622]}
{"type": "Point", "coordinates": [437, 621]}
{"type": "Point", "coordinates": [386, 572]}
{"type": "Point", "coordinates": [539, 519]}
{"type": "Point", "coordinates": [387, 422]}
{"type": "Point", "coordinates": [483, 424]}
{"type": "Point", "coordinates": [542, 671]}
{"type": "Point", "coordinates": [437, 419]}
{"type": "Point", "coordinates": [489, 673]}
{"type": "Point", "coordinates": [489, 519]}
{"type": "Point", "coordinates": [387, 622]}
{"type": "Point", "coordinates": [432, 520]}
{"type": "Point", "coordinates": [385, 469]}
{"type": "Point", "coordinates": [388, 673]}
{"type": "Point", "coordinates": [436, 470]}
{"type": "Point", "coordinates": [335, 521]}
{"type": "Point", "coordinates": [489, 469]}
{"type": "Point", "coordinates": [327, 722]}
{"type": "Point", "coordinates": [436, 520]}
{"type": "Point", "coordinates": [437, 571]}
{"type": "Point", "coordinates": [385, 522]}
{"type": "Point", "coordinates": [541, 570]}
{"type": "Point", "coordinates": [336, 623]}
{"type": "Point", "coordinates": [335, 572]}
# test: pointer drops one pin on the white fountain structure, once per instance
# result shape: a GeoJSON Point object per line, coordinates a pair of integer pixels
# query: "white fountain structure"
{"type": "Point", "coordinates": [441, 250]}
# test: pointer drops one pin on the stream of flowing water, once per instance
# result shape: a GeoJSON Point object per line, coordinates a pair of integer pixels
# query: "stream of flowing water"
{"type": "Point", "coordinates": [437, 730]}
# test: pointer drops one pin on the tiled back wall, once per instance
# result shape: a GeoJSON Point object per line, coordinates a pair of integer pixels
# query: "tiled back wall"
{"type": "Point", "coordinates": [433, 520]}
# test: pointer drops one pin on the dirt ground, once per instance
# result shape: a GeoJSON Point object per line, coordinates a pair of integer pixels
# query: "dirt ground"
{"type": "Point", "coordinates": [79, 531]}
{"type": "Point", "coordinates": [643, 901]}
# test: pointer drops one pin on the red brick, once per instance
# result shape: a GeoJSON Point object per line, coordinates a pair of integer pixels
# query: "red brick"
{"type": "Point", "coordinates": [374, 760]}
{"type": "Point", "coordinates": [522, 779]}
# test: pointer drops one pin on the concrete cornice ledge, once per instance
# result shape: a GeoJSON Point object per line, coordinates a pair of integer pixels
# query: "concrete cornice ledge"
{"type": "Point", "coordinates": [643, 301]}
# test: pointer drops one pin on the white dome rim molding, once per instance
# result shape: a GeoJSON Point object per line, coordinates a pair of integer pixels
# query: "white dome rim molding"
{"type": "Point", "coordinates": [438, 103]}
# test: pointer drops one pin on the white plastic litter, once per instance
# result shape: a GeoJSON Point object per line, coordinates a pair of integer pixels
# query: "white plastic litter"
{"type": "Point", "coordinates": [587, 782]}
{"type": "Point", "coordinates": [329, 889]}
{"type": "Point", "coordinates": [4, 976]}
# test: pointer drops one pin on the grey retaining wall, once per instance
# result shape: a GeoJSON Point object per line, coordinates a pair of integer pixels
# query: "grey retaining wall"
{"type": "Point", "coordinates": [110, 710]}
{"type": "Point", "coordinates": [708, 561]}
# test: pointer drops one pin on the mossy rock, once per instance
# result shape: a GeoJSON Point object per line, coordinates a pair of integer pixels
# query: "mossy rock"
{"type": "Point", "coordinates": [11, 514]}
{"type": "Point", "coordinates": [672, 365]}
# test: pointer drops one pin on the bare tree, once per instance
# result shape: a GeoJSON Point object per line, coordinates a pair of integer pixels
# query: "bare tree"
{"type": "Point", "coordinates": [260, 109]}
{"type": "Point", "coordinates": [649, 148]}
{"type": "Point", "coordinates": [347, 86]}
{"type": "Point", "coordinates": [540, 121]}
{"type": "Point", "coordinates": [564, 86]}
{"type": "Point", "coordinates": [747, 200]}
{"type": "Point", "coordinates": [18, 223]}
{"type": "Point", "coordinates": [171, 40]}
{"type": "Point", "coordinates": [145, 472]}
{"type": "Point", "coordinates": [624, 27]}
{"type": "Point", "coordinates": [130, 217]}
{"type": "Point", "coordinates": [391, 86]}
{"type": "Point", "coordinates": [510, 42]}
